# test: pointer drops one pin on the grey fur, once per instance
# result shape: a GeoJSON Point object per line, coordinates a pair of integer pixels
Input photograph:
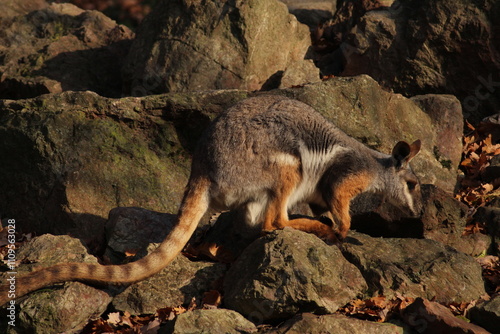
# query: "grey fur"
{"type": "Point", "coordinates": [238, 154]}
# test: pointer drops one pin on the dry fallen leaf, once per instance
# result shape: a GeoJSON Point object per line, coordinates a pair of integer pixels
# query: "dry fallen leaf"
{"type": "Point", "coordinates": [131, 252]}
{"type": "Point", "coordinates": [169, 313]}
{"type": "Point", "coordinates": [211, 299]}
{"type": "Point", "coordinates": [114, 318]}
{"type": "Point", "coordinates": [152, 327]}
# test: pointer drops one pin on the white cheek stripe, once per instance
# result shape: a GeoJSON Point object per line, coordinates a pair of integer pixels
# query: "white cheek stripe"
{"type": "Point", "coordinates": [409, 200]}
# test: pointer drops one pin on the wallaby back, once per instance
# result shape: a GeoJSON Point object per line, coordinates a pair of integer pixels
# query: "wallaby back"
{"type": "Point", "coordinates": [262, 156]}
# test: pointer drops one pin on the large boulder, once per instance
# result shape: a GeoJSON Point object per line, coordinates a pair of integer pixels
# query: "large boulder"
{"type": "Point", "coordinates": [486, 314]}
{"type": "Point", "coordinates": [212, 322]}
{"type": "Point", "coordinates": [333, 323]}
{"type": "Point", "coordinates": [72, 157]}
{"type": "Point", "coordinates": [415, 268]}
{"type": "Point", "coordinates": [287, 272]}
{"type": "Point", "coordinates": [429, 317]}
{"type": "Point", "coordinates": [53, 48]}
{"type": "Point", "coordinates": [419, 47]}
{"type": "Point", "coordinates": [311, 12]}
{"type": "Point", "coordinates": [444, 219]}
{"type": "Point", "coordinates": [186, 45]}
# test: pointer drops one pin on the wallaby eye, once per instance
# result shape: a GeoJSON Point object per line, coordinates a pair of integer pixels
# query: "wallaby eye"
{"type": "Point", "coordinates": [411, 185]}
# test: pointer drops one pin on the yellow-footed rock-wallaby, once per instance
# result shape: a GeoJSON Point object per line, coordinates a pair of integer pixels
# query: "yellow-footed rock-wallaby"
{"type": "Point", "coordinates": [262, 156]}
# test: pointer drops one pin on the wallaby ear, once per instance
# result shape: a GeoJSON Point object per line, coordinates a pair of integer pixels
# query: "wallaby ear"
{"type": "Point", "coordinates": [404, 152]}
{"type": "Point", "coordinates": [414, 149]}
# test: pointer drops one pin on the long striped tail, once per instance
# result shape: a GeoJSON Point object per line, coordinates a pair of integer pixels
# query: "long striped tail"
{"type": "Point", "coordinates": [195, 203]}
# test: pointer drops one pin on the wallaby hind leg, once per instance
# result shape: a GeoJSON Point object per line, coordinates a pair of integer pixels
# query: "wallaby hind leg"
{"type": "Point", "coordinates": [276, 215]}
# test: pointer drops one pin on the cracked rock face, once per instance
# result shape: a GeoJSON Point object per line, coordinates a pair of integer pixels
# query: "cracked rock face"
{"type": "Point", "coordinates": [184, 45]}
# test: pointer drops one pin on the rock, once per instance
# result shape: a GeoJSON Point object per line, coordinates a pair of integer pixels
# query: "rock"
{"type": "Point", "coordinates": [60, 47]}
{"type": "Point", "coordinates": [300, 73]}
{"type": "Point", "coordinates": [66, 308]}
{"type": "Point", "coordinates": [475, 244]}
{"type": "Point", "coordinates": [445, 111]}
{"type": "Point", "coordinates": [444, 217]}
{"type": "Point", "coordinates": [414, 268]}
{"type": "Point", "coordinates": [11, 8]}
{"type": "Point", "coordinates": [432, 318]}
{"type": "Point", "coordinates": [213, 45]}
{"type": "Point", "coordinates": [287, 272]}
{"type": "Point", "coordinates": [490, 217]}
{"type": "Point", "coordinates": [311, 12]}
{"type": "Point", "coordinates": [487, 314]}
{"type": "Point", "coordinates": [47, 250]}
{"type": "Point", "coordinates": [212, 321]}
{"type": "Point", "coordinates": [327, 38]}
{"type": "Point", "coordinates": [444, 220]}
{"type": "Point", "coordinates": [333, 323]}
{"type": "Point", "coordinates": [181, 281]}
{"type": "Point", "coordinates": [404, 49]}
{"type": "Point", "coordinates": [129, 232]}
{"type": "Point", "coordinates": [69, 157]}
{"type": "Point", "coordinates": [491, 173]}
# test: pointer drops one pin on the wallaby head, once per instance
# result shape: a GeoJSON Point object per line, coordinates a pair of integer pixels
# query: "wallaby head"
{"type": "Point", "coordinates": [402, 187]}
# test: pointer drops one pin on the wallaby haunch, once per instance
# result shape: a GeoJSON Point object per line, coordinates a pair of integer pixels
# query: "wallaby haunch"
{"type": "Point", "coordinates": [262, 156]}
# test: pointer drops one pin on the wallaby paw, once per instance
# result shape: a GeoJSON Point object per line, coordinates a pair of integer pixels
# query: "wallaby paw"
{"type": "Point", "coordinates": [263, 233]}
{"type": "Point", "coordinates": [341, 235]}
{"type": "Point", "coordinates": [332, 239]}
{"type": "Point", "coordinates": [327, 235]}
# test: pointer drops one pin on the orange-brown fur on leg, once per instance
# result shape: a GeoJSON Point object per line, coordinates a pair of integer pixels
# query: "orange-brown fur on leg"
{"type": "Point", "coordinates": [276, 216]}
{"type": "Point", "coordinates": [343, 193]}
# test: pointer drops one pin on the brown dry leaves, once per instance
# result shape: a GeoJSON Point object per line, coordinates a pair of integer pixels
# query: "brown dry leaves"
{"type": "Point", "coordinates": [382, 309]}
{"type": "Point", "coordinates": [379, 309]}
{"type": "Point", "coordinates": [476, 190]}
{"type": "Point", "coordinates": [125, 323]}
{"type": "Point", "coordinates": [479, 148]}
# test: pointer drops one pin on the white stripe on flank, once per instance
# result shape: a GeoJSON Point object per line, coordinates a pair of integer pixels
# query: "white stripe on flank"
{"type": "Point", "coordinates": [284, 159]}
{"type": "Point", "coordinates": [314, 165]}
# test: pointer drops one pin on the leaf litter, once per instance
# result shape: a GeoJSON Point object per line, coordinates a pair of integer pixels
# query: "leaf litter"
{"type": "Point", "coordinates": [125, 323]}
{"type": "Point", "coordinates": [481, 144]}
